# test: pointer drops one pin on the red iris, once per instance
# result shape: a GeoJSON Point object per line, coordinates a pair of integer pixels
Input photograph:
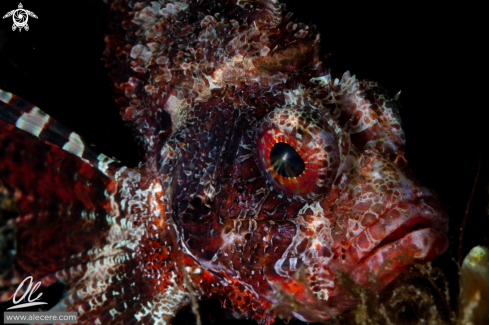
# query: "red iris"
{"type": "Point", "coordinates": [296, 152]}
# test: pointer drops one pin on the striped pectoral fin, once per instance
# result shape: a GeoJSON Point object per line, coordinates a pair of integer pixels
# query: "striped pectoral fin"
{"type": "Point", "coordinates": [63, 191]}
{"type": "Point", "coordinates": [123, 285]}
{"type": "Point", "coordinates": [124, 302]}
{"type": "Point", "coordinates": [22, 115]}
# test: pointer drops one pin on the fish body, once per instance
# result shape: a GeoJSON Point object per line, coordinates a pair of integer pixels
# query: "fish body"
{"type": "Point", "coordinates": [263, 176]}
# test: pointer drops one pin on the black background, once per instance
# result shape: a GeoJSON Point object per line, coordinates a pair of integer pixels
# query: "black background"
{"type": "Point", "coordinates": [436, 55]}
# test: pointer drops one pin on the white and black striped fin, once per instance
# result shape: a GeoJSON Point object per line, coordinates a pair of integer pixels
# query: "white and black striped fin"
{"type": "Point", "coordinates": [25, 116]}
{"type": "Point", "coordinates": [64, 193]}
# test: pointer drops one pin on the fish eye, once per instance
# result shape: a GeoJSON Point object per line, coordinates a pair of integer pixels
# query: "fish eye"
{"type": "Point", "coordinates": [296, 152]}
{"type": "Point", "coordinates": [286, 161]}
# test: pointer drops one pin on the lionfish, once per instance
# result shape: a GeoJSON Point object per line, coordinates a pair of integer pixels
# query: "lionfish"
{"type": "Point", "coordinates": [263, 177]}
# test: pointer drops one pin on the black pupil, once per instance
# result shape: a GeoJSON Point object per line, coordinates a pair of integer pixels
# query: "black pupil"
{"type": "Point", "coordinates": [286, 161]}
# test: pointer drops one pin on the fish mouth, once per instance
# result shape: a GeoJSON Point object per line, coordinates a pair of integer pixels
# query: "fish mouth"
{"type": "Point", "coordinates": [406, 234]}
{"type": "Point", "coordinates": [413, 225]}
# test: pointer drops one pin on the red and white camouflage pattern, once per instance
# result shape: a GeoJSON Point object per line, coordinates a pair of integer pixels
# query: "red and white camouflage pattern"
{"type": "Point", "coordinates": [209, 87]}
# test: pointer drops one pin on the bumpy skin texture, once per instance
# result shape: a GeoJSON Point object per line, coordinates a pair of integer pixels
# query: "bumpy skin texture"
{"type": "Point", "coordinates": [209, 88]}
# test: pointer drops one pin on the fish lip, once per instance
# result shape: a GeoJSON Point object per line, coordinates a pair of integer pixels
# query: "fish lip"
{"type": "Point", "coordinates": [418, 233]}
{"type": "Point", "coordinates": [387, 262]}
{"type": "Point", "coordinates": [414, 215]}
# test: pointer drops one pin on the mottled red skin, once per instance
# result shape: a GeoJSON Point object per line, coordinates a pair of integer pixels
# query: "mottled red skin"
{"type": "Point", "coordinates": [243, 206]}
{"type": "Point", "coordinates": [209, 88]}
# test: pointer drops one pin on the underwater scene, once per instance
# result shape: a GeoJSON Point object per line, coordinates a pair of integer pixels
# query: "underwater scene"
{"type": "Point", "coordinates": [244, 162]}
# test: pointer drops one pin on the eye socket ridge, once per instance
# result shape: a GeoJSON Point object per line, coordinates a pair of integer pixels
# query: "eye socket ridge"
{"type": "Point", "coordinates": [296, 153]}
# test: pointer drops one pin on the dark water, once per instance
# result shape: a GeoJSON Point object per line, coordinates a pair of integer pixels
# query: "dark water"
{"type": "Point", "coordinates": [437, 56]}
